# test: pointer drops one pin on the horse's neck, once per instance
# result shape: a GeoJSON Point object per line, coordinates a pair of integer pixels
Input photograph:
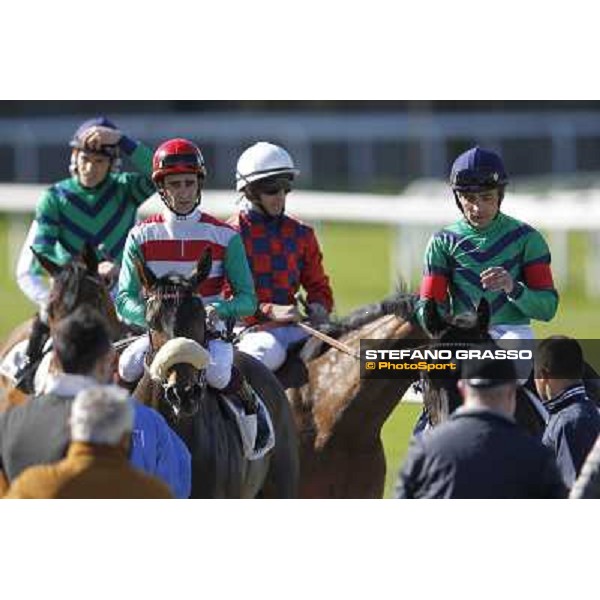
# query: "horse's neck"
{"type": "Point", "coordinates": [117, 328]}
{"type": "Point", "coordinates": [340, 399]}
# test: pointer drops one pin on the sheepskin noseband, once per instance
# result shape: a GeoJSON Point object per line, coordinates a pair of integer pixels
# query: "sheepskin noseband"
{"type": "Point", "coordinates": [176, 351]}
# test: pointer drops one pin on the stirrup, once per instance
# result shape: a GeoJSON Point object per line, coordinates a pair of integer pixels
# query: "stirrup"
{"type": "Point", "coordinates": [24, 377]}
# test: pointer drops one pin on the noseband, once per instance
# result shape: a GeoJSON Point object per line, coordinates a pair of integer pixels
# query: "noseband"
{"type": "Point", "coordinates": [182, 401]}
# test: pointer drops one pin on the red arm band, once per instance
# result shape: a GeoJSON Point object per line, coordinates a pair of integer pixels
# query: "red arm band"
{"type": "Point", "coordinates": [434, 286]}
{"type": "Point", "coordinates": [538, 276]}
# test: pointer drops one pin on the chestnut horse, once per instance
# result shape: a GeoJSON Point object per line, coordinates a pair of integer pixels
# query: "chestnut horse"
{"type": "Point", "coordinates": [339, 416]}
{"type": "Point", "coordinates": [219, 468]}
{"type": "Point", "coordinates": [75, 284]}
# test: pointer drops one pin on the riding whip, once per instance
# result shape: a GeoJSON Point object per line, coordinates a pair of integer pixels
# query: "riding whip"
{"type": "Point", "coordinates": [329, 340]}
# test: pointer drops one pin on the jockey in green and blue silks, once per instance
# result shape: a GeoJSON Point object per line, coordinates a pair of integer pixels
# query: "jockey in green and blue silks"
{"type": "Point", "coordinates": [488, 254]}
{"type": "Point", "coordinates": [97, 204]}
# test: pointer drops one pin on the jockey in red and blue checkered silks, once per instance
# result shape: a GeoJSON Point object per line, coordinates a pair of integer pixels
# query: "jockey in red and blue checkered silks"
{"type": "Point", "coordinates": [283, 253]}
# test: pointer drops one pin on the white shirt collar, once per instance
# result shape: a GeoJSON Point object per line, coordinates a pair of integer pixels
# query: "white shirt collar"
{"type": "Point", "coordinates": [66, 384]}
{"type": "Point", "coordinates": [173, 219]}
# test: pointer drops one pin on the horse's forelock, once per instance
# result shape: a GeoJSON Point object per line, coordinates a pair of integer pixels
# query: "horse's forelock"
{"type": "Point", "coordinates": [65, 287]}
{"type": "Point", "coordinates": [170, 301]}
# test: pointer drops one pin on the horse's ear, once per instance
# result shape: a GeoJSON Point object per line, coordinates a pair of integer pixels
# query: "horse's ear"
{"type": "Point", "coordinates": [483, 316]}
{"type": "Point", "coordinates": [89, 257]}
{"type": "Point", "coordinates": [433, 322]}
{"type": "Point", "coordinates": [145, 273]}
{"type": "Point", "coordinates": [52, 268]}
{"type": "Point", "coordinates": [203, 267]}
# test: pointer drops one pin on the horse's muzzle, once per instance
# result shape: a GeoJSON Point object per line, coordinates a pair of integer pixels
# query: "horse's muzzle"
{"type": "Point", "coordinates": [184, 401]}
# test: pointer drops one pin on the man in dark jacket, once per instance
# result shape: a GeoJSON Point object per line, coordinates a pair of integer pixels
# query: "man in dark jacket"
{"type": "Point", "coordinates": [480, 452]}
{"type": "Point", "coordinates": [574, 422]}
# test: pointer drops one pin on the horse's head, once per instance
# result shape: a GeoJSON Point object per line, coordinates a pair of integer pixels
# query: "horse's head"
{"type": "Point", "coordinates": [77, 283]}
{"type": "Point", "coordinates": [440, 392]}
{"type": "Point", "coordinates": [466, 327]}
{"type": "Point", "coordinates": [175, 312]}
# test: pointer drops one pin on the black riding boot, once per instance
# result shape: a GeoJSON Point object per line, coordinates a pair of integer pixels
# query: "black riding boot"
{"type": "Point", "coordinates": [40, 332]}
{"type": "Point", "coordinates": [239, 389]}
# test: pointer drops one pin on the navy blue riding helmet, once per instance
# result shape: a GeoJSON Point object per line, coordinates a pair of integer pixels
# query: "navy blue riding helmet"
{"type": "Point", "coordinates": [478, 170]}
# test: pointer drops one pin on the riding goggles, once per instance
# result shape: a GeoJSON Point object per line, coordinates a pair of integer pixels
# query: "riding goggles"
{"type": "Point", "coordinates": [473, 181]}
{"type": "Point", "coordinates": [271, 187]}
{"type": "Point", "coordinates": [179, 160]}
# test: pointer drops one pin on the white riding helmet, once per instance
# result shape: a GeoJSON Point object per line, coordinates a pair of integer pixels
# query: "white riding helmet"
{"type": "Point", "coordinates": [260, 161]}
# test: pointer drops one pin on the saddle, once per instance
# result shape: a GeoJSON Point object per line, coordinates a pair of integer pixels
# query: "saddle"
{"type": "Point", "coordinates": [294, 371]}
{"type": "Point", "coordinates": [22, 373]}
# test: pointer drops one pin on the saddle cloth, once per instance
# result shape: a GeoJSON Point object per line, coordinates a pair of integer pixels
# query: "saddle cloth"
{"type": "Point", "coordinates": [256, 431]}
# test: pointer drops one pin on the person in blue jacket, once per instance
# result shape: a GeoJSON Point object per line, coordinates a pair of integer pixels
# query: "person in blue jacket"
{"type": "Point", "coordinates": [37, 432]}
{"type": "Point", "coordinates": [574, 423]}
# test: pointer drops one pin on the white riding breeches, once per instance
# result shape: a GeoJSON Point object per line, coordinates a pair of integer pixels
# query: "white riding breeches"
{"type": "Point", "coordinates": [218, 372]}
{"type": "Point", "coordinates": [511, 334]}
{"type": "Point", "coordinates": [270, 346]}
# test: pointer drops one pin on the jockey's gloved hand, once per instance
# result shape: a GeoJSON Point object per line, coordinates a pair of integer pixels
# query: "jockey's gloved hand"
{"type": "Point", "coordinates": [109, 271]}
{"type": "Point", "coordinates": [214, 322]}
{"type": "Point", "coordinates": [280, 313]}
{"type": "Point", "coordinates": [317, 314]}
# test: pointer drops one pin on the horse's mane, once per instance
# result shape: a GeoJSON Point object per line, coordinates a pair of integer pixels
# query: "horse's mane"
{"type": "Point", "coordinates": [400, 303]}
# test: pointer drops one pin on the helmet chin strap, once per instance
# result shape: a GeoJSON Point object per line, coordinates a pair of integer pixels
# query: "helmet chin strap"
{"type": "Point", "coordinates": [259, 205]}
{"type": "Point", "coordinates": [256, 203]}
{"type": "Point", "coordinates": [167, 202]}
{"type": "Point", "coordinates": [500, 198]}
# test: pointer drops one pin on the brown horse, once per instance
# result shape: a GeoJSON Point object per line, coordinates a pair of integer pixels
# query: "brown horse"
{"type": "Point", "coordinates": [219, 468]}
{"type": "Point", "coordinates": [74, 284]}
{"type": "Point", "coordinates": [339, 416]}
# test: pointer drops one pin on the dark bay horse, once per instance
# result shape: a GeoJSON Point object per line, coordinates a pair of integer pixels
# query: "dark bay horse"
{"type": "Point", "coordinates": [219, 468]}
{"type": "Point", "coordinates": [74, 284]}
{"type": "Point", "coordinates": [440, 394]}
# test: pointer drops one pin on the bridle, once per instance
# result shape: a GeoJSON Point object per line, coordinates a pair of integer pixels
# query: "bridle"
{"type": "Point", "coordinates": [182, 402]}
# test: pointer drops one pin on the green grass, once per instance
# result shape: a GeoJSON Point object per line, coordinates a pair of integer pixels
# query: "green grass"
{"type": "Point", "coordinates": [358, 260]}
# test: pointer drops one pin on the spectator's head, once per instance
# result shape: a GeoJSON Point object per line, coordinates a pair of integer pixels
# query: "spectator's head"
{"type": "Point", "coordinates": [102, 415]}
{"type": "Point", "coordinates": [82, 345]}
{"type": "Point", "coordinates": [489, 383]}
{"type": "Point", "coordinates": [558, 363]}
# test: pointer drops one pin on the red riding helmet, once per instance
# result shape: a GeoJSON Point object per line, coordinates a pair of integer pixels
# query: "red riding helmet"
{"type": "Point", "coordinates": [177, 156]}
